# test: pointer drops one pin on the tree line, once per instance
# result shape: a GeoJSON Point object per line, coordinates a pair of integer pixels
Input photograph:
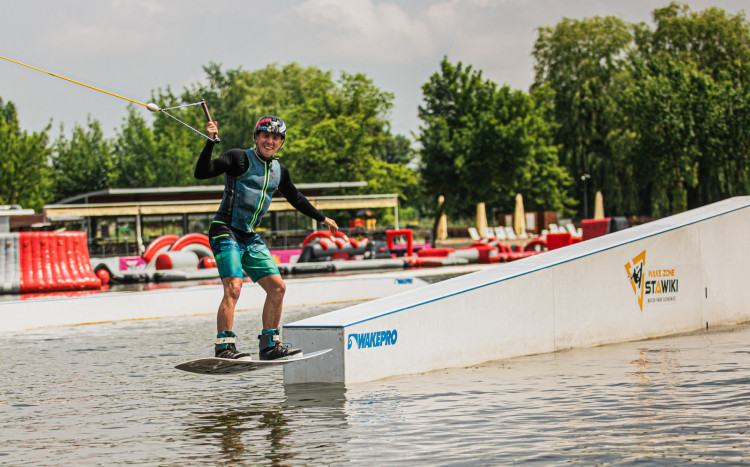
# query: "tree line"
{"type": "Point", "coordinates": [654, 116]}
{"type": "Point", "coordinates": [657, 116]}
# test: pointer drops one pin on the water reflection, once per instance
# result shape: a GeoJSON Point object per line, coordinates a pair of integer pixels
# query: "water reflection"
{"type": "Point", "coordinates": [325, 395]}
{"type": "Point", "coordinates": [238, 433]}
{"type": "Point", "coordinates": [276, 432]}
{"type": "Point", "coordinates": [321, 413]}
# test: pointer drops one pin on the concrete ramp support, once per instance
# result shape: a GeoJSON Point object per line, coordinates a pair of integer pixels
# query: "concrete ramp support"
{"type": "Point", "coordinates": [673, 275]}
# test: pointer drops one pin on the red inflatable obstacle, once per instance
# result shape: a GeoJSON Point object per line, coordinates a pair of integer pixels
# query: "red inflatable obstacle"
{"type": "Point", "coordinates": [325, 246]}
{"type": "Point", "coordinates": [184, 253]}
{"type": "Point", "coordinates": [188, 240]}
{"type": "Point", "coordinates": [160, 244]}
{"type": "Point", "coordinates": [443, 252]}
{"type": "Point", "coordinates": [408, 233]}
{"type": "Point", "coordinates": [593, 228]}
{"type": "Point", "coordinates": [558, 240]}
{"type": "Point", "coordinates": [46, 262]}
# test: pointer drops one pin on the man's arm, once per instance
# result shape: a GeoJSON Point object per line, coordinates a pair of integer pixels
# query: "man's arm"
{"type": "Point", "coordinates": [206, 167]}
{"type": "Point", "coordinates": [233, 162]}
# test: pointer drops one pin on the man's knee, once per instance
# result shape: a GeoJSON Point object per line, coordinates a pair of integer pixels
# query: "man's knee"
{"type": "Point", "coordinates": [278, 289]}
{"type": "Point", "coordinates": [273, 285]}
{"type": "Point", "coordinates": [232, 288]}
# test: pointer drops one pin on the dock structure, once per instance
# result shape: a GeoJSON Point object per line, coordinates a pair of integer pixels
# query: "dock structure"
{"type": "Point", "coordinates": [674, 275]}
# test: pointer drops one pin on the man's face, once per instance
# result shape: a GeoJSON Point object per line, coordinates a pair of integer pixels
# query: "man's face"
{"type": "Point", "coordinates": [268, 143]}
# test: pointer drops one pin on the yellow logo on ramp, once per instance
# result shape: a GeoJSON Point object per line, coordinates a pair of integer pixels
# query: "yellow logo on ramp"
{"type": "Point", "coordinates": [635, 270]}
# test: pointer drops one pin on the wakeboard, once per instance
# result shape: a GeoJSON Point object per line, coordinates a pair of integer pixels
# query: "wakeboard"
{"type": "Point", "coordinates": [229, 366]}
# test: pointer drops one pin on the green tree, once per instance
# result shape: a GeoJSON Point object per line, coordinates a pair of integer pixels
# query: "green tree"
{"type": "Point", "coordinates": [481, 143]}
{"type": "Point", "coordinates": [83, 163]}
{"type": "Point", "coordinates": [245, 96]}
{"type": "Point", "coordinates": [657, 115]}
{"type": "Point", "coordinates": [661, 106]}
{"type": "Point", "coordinates": [162, 155]}
{"type": "Point", "coordinates": [716, 43]}
{"type": "Point", "coordinates": [729, 145]}
{"type": "Point", "coordinates": [339, 132]}
{"type": "Point", "coordinates": [136, 159]}
{"type": "Point", "coordinates": [337, 129]}
{"type": "Point", "coordinates": [176, 144]}
{"type": "Point", "coordinates": [25, 176]}
{"type": "Point", "coordinates": [690, 96]}
{"type": "Point", "coordinates": [449, 97]}
{"type": "Point", "coordinates": [396, 150]}
{"type": "Point", "coordinates": [582, 62]}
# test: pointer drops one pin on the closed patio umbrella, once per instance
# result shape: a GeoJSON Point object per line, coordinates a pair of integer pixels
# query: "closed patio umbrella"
{"type": "Point", "coordinates": [442, 228]}
{"type": "Point", "coordinates": [599, 205]}
{"type": "Point", "coordinates": [519, 217]}
{"type": "Point", "coordinates": [481, 218]}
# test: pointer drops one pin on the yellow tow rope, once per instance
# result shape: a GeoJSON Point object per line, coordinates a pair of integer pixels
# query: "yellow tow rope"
{"type": "Point", "coordinates": [151, 107]}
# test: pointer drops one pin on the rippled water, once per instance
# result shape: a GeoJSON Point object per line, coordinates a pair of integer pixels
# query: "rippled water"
{"type": "Point", "coordinates": [108, 394]}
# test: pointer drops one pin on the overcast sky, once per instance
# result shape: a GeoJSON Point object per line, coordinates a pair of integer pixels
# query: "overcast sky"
{"type": "Point", "coordinates": [132, 47]}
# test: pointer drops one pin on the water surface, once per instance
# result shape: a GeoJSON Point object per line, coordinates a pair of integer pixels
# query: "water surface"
{"type": "Point", "coordinates": [108, 394]}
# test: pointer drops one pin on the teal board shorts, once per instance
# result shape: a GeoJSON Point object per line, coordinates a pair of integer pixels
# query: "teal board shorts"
{"type": "Point", "coordinates": [235, 253]}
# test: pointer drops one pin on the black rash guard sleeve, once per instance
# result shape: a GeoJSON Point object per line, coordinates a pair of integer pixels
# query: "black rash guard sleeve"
{"type": "Point", "coordinates": [295, 198]}
{"type": "Point", "coordinates": [233, 162]}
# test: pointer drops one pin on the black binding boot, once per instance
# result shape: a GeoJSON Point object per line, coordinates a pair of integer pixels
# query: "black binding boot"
{"type": "Point", "coordinates": [271, 347]}
{"type": "Point", "coordinates": [224, 346]}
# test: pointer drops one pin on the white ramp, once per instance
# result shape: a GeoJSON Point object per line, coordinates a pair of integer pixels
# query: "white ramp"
{"type": "Point", "coordinates": [673, 275]}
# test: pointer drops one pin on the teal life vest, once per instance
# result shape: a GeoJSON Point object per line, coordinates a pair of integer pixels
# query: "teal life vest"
{"type": "Point", "coordinates": [247, 197]}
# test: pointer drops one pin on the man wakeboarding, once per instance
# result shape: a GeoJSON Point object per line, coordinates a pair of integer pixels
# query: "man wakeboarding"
{"type": "Point", "coordinates": [251, 177]}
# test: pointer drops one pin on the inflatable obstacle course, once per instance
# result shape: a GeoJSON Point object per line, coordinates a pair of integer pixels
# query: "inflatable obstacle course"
{"type": "Point", "coordinates": [59, 261]}
{"type": "Point", "coordinates": [324, 252]}
{"type": "Point", "coordinates": [45, 262]}
{"type": "Point", "coordinates": [167, 258]}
